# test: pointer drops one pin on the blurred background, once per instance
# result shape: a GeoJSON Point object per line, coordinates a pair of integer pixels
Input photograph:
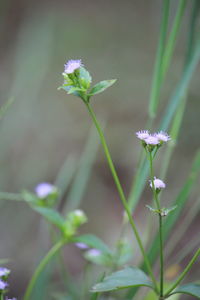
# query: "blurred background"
{"type": "Point", "coordinates": [45, 127]}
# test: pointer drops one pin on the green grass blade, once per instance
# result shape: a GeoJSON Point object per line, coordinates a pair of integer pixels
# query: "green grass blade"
{"type": "Point", "coordinates": [10, 196]}
{"type": "Point", "coordinates": [5, 107]}
{"type": "Point", "coordinates": [179, 232]}
{"type": "Point", "coordinates": [156, 84]}
{"type": "Point", "coordinates": [172, 38]}
{"type": "Point", "coordinates": [181, 89]}
{"type": "Point", "coordinates": [65, 176]}
{"type": "Point", "coordinates": [81, 180]}
{"type": "Point", "coordinates": [174, 132]}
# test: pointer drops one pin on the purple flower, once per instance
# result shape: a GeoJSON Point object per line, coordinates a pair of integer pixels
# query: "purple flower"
{"type": "Point", "coordinates": [4, 271]}
{"type": "Point", "coordinates": [10, 298]}
{"type": "Point", "coordinates": [81, 246]}
{"type": "Point", "coordinates": [94, 252]}
{"type": "Point", "coordinates": [3, 285]}
{"type": "Point", "coordinates": [158, 184]}
{"type": "Point", "coordinates": [44, 189]}
{"type": "Point", "coordinates": [142, 134]}
{"type": "Point", "coordinates": [152, 140]}
{"type": "Point", "coordinates": [72, 65]}
{"type": "Point", "coordinates": [162, 136]}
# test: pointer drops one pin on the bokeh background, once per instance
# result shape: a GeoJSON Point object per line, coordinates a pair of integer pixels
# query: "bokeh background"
{"type": "Point", "coordinates": [44, 127]}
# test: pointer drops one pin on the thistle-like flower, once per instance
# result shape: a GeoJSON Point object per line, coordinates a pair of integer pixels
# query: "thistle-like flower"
{"type": "Point", "coordinates": [4, 272]}
{"type": "Point", "coordinates": [152, 140]}
{"type": "Point", "coordinates": [142, 134]}
{"type": "Point", "coordinates": [44, 189]}
{"type": "Point", "coordinates": [72, 65]}
{"type": "Point", "coordinates": [3, 285]}
{"type": "Point", "coordinates": [162, 136]}
{"type": "Point", "coordinates": [158, 184]}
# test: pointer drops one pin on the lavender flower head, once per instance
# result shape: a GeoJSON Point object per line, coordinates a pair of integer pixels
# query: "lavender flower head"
{"type": "Point", "coordinates": [152, 140]}
{"type": "Point", "coordinates": [81, 246]}
{"type": "Point", "coordinates": [44, 189]}
{"type": "Point", "coordinates": [142, 134]}
{"type": "Point", "coordinates": [72, 65]}
{"type": "Point", "coordinates": [10, 298]}
{"type": "Point", "coordinates": [162, 136]}
{"type": "Point", "coordinates": [4, 271]}
{"type": "Point", "coordinates": [158, 184]}
{"type": "Point", "coordinates": [3, 285]}
{"type": "Point", "coordinates": [94, 252]}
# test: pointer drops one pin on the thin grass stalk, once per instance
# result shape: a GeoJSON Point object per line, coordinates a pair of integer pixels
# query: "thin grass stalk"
{"type": "Point", "coordinates": [156, 84]}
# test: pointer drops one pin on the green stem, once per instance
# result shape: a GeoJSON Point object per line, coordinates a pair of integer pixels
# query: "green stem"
{"type": "Point", "coordinates": [121, 192]}
{"type": "Point", "coordinates": [155, 194]}
{"type": "Point", "coordinates": [183, 274]}
{"type": "Point", "coordinates": [161, 256]}
{"type": "Point", "coordinates": [41, 266]}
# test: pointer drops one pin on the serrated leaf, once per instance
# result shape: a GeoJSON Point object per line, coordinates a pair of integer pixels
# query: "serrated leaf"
{"type": "Point", "coordinates": [101, 86]}
{"type": "Point", "coordinates": [93, 242]}
{"type": "Point", "coordinates": [51, 215]}
{"type": "Point", "coordinates": [189, 289]}
{"type": "Point", "coordinates": [126, 278]}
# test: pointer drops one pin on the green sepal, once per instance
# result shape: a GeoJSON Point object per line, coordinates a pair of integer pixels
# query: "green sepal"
{"type": "Point", "coordinates": [101, 86]}
{"type": "Point", "coordinates": [126, 278]}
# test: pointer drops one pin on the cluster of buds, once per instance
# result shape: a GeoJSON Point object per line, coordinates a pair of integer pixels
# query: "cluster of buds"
{"type": "Point", "coordinates": [4, 272]}
{"type": "Point", "coordinates": [150, 141]}
{"type": "Point", "coordinates": [73, 221]}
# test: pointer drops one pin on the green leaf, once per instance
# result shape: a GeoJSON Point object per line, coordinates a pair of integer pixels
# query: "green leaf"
{"type": "Point", "coordinates": [189, 289]}
{"type": "Point", "coordinates": [72, 90]}
{"type": "Point", "coordinates": [126, 278]}
{"type": "Point", "coordinates": [51, 215]}
{"type": "Point", "coordinates": [93, 242]}
{"type": "Point", "coordinates": [101, 86]}
{"type": "Point", "coordinates": [85, 75]}
{"type": "Point", "coordinates": [68, 88]}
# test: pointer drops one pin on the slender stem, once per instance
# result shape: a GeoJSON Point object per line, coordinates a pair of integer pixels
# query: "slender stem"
{"type": "Point", "coordinates": [41, 266]}
{"type": "Point", "coordinates": [121, 192]}
{"type": "Point", "coordinates": [161, 256]}
{"type": "Point", "coordinates": [183, 274]}
{"type": "Point", "coordinates": [155, 194]}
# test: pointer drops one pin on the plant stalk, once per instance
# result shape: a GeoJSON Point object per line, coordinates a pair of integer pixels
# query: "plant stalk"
{"type": "Point", "coordinates": [121, 192]}
{"type": "Point", "coordinates": [52, 252]}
